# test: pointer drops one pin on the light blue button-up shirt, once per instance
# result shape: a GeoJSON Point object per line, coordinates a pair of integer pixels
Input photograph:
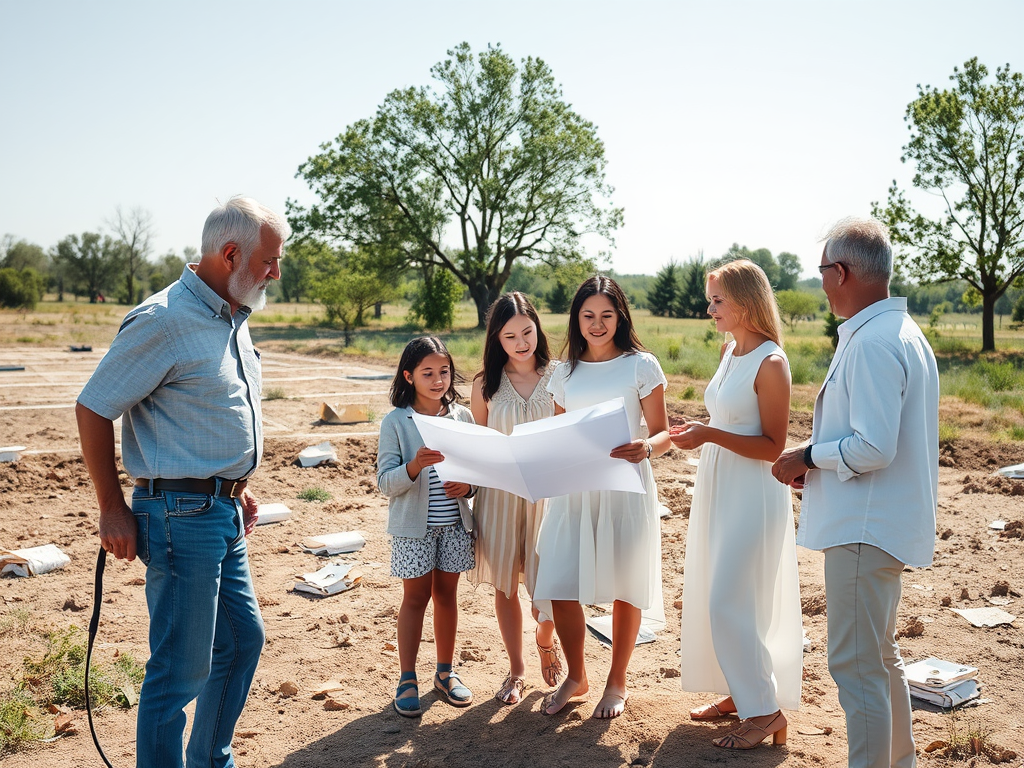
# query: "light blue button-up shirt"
{"type": "Point", "coordinates": [183, 372]}
{"type": "Point", "coordinates": [876, 440]}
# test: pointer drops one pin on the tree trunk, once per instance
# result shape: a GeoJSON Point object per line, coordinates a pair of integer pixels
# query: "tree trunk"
{"type": "Point", "coordinates": [484, 290]}
{"type": "Point", "coordinates": [482, 297]}
{"type": "Point", "coordinates": [988, 333]}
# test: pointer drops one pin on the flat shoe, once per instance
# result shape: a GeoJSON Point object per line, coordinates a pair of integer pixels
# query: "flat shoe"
{"type": "Point", "coordinates": [511, 691]}
{"type": "Point", "coordinates": [550, 663]}
{"type": "Point", "coordinates": [452, 690]}
{"type": "Point", "coordinates": [407, 706]}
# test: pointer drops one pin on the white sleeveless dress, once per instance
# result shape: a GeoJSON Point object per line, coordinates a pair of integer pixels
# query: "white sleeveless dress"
{"type": "Point", "coordinates": [741, 626]}
{"type": "Point", "coordinates": [600, 546]}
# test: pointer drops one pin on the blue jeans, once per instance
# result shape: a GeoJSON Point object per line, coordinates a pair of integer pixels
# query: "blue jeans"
{"type": "Point", "coordinates": [205, 628]}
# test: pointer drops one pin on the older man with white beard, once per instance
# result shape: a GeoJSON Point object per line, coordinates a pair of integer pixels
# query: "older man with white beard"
{"type": "Point", "coordinates": [185, 378]}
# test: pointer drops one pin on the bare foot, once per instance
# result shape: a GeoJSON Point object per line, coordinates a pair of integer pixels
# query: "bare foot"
{"type": "Point", "coordinates": [612, 704]}
{"type": "Point", "coordinates": [569, 689]}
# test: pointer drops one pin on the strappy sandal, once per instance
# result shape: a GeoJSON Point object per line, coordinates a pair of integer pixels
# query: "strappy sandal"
{"type": "Point", "coordinates": [750, 735]}
{"type": "Point", "coordinates": [511, 691]}
{"type": "Point", "coordinates": [710, 712]}
{"type": "Point", "coordinates": [551, 663]}
{"type": "Point", "coordinates": [407, 705]}
{"type": "Point", "coordinates": [451, 688]}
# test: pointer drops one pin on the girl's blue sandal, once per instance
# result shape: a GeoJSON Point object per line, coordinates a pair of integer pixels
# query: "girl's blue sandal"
{"type": "Point", "coordinates": [407, 705]}
{"type": "Point", "coordinates": [451, 687]}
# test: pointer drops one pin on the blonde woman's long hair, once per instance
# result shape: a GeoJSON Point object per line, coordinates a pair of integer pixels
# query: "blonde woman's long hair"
{"type": "Point", "coordinates": [746, 285]}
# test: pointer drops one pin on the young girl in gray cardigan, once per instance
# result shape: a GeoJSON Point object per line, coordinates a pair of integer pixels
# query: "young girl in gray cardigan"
{"type": "Point", "coordinates": [430, 522]}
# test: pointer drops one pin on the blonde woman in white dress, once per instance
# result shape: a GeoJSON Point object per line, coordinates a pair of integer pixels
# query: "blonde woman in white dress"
{"type": "Point", "coordinates": [512, 389]}
{"type": "Point", "coordinates": [741, 623]}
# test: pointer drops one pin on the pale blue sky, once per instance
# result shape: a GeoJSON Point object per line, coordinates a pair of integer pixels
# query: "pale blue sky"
{"type": "Point", "coordinates": [752, 122]}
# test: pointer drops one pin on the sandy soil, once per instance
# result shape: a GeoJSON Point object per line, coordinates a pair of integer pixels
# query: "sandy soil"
{"type": "Point", "coordinates": [349, 638]}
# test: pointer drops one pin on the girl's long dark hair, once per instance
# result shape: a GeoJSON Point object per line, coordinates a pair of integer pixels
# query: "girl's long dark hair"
{"type": "Point", "coordinates": [503, 309]}
{"type": "Point", "coordinates": [625, 336]}
{"type": "Point", "coordinates": [403, 393]}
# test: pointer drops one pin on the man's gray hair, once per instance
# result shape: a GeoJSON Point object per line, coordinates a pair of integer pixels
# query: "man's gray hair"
{"type": "Point", "coordinates": [239, 221]}
{"type": "Point", "coordinates": [864, 245]}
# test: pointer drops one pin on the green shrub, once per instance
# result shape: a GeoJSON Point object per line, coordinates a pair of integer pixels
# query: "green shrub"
{"type": "Point", "coordinates": [21, 721]}
{"type": "Point", "coordinates": [59, 676]}
{"type": "Point", "coordinates": [690, 393]}
{"type": "Point", "coordinates": [314, 493]}
{"type": "Point", "coordinates": [274, 393]}
{"type": "Point", "coordinates": [948, 433]}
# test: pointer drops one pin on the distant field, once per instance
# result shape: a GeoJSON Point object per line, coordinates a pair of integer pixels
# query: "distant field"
{"type": "Point", "coordinates": [981, 395]}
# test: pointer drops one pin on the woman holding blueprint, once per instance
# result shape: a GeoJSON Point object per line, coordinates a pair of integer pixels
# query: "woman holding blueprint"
{"type": "Point", "coordinates": [605, 546]}
{"type": "Point", "coordinates": [512, 389]}
{"type": "Point", "coordinates": [741, 621]}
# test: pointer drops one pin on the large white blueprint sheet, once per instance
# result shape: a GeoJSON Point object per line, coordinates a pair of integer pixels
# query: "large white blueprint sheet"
{"type": "Point", "coordinates": [559, 455]}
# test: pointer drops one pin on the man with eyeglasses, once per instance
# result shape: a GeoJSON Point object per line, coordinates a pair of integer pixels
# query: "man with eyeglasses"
{"type": "Point", "coordinates": [870, 486]}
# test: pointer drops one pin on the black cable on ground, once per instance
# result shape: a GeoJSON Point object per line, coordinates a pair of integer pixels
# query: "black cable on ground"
{"type": "Point", "coordinates": [94, 623]}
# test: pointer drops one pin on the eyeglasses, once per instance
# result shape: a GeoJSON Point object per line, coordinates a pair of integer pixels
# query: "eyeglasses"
{"type": "Point", "coordinates": [826, 267]}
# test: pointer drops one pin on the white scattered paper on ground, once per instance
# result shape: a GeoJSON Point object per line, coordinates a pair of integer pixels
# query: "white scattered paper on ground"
{"type": "Point", "coordinates": [334, 543]}
{"type": "Point", "coordinates": [11, 452]}
{"type": "Point", "coordinates": [317, 454]}
{"type": "Point", "coordinates": [1015, 472]}
{"type": "Point", "coordinates": [602, 627]}
{"type": "Point", "coordinates": [985, 617]}
{"type": "Point", "coordinates": [272, 513]}
{"type": "Point", "coordinates": [997, 525]}
{"type": "Point", "coordinates": [541, 459]}
{"type": "Point", "coordinates": [329, 580]}
{"type": "Point", "coordinates": [32, 561]}
{"type": "Point", "coordinates": [938, 674]}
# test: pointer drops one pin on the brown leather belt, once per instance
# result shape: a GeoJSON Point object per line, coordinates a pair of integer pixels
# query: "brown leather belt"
{"type": "Point", "coordinates": [230, 488]}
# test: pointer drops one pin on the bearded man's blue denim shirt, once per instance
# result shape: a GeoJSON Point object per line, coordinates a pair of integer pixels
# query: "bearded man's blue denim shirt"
{"type": "Point", "coordinates": [184, 374]}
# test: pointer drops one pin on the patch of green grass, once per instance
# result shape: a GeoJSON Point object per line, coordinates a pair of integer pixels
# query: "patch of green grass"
{"type": "Point", "coordinates": [1015, 433]}
{"type": "Point", "coordinates": [15, 621]}
{"type": "Point", "coordinates": [59, 676]}
{"type": "Point", "coordinates": [948, 433]}
{"type": "Point", "coordinates": [314, 493]}
{"type": "Point", "coordinates": [673, 351]}
{"type": "Point", "coordinates": [21, 720]}
{"type": "Point", "coordinates": [690, 393]}
{"type": "Point", "coordinates": [274, 393]}
{"type": "Point", "coordinates": [28, 339]}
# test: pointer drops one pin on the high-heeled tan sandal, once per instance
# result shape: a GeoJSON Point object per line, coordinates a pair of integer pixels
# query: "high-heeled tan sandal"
{"type": "Point", "coordinates": [750, 735]}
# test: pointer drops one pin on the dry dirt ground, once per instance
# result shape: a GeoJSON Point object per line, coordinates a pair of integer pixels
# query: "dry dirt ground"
{"type": "Point", "coordinates": [349, 638]}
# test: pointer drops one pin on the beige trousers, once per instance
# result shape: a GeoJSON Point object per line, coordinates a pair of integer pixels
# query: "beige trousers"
{"type": "Point", "coordinates": [862, 594]}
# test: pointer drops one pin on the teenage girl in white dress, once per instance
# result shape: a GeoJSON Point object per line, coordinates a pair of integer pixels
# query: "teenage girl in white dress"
{"type": "Point", "coordinates": [605, 546]}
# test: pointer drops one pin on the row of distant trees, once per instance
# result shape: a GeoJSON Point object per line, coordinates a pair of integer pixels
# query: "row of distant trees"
{"type": "Point", "coordinates": [115, 263]}
{"type": "Point", "coordinates": [493, 159]}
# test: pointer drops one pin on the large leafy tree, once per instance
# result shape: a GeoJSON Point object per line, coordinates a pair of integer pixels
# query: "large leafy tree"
{"type": "Point", "coordinates": [967, 143]}
{"type": "Point", "coordinates": [492, 158]}
{"type": "Point", "coordinates": [91, 262]}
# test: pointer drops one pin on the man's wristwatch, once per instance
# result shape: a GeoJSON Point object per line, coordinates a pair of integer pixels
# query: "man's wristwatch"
{"type": "Point", "coordinates": [808, 461]}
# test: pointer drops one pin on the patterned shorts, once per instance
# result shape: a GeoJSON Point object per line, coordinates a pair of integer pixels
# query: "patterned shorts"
{"type": "Point", "coordinates": [447, 548]}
